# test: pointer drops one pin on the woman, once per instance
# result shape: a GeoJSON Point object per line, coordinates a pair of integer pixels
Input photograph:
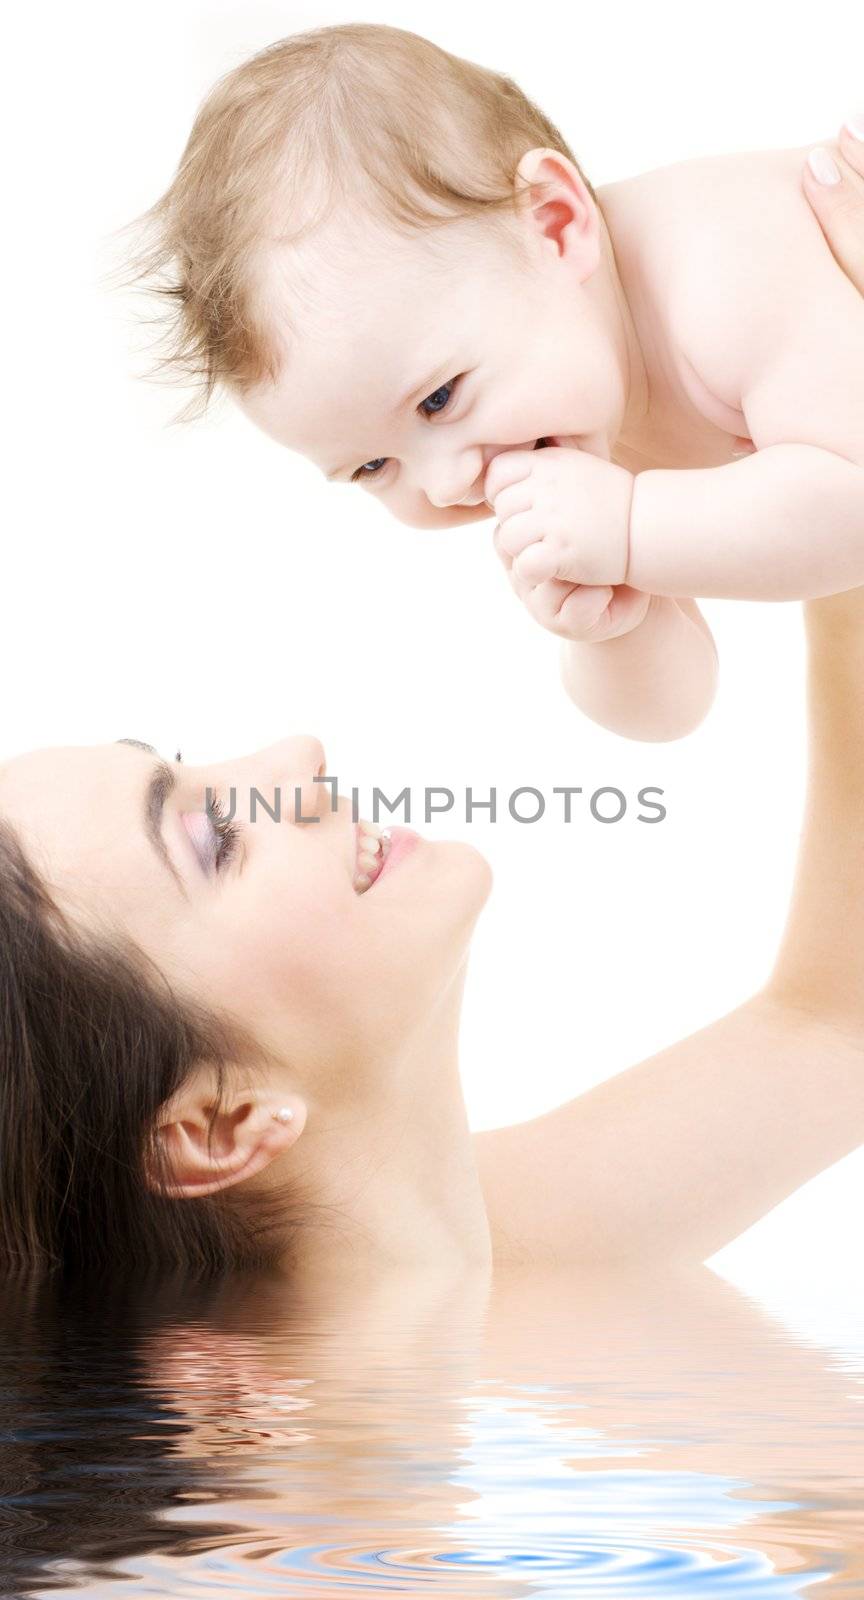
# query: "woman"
{"type": "Point", "coordinates": [225, 1045]}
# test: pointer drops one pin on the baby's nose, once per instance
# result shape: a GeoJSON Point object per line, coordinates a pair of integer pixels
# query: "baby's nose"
{"type": "Point", "coordinates": [442, 499]}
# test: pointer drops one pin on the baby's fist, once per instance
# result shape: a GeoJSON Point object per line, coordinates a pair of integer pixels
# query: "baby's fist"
{"type": "Point", "coordinates": [579, 612]}
{"type": "Point", "coordinates": [562, 513]}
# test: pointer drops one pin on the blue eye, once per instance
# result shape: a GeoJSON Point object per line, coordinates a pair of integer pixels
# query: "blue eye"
{"type": "Point", "coordinates": [442, 390]}
{"type": "Point", "coordinates": [227, 833]}
{"type": "Point", "coordinates": [446, 389]}
{"type": "Point", "coordinates": [362, 472]}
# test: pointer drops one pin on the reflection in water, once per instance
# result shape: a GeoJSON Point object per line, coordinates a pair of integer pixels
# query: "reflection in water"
{"type": "Point", "coordinates": [546, 1434]}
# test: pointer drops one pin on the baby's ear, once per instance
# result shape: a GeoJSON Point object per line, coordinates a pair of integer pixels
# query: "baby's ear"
{"type": "Point", "coordinates": [193, 1155]}
{"type": "Point", "coordinates": [558, 209]}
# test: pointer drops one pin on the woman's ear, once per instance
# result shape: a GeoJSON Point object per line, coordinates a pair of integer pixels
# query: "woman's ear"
{"type": "Point", "coordinates": [556, 205]}
{"type": "Point", "coordinates": [249, 1131]}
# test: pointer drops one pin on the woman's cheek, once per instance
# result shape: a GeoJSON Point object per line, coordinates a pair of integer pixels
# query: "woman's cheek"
{"type": "Point", "coordinates": [296, 953]}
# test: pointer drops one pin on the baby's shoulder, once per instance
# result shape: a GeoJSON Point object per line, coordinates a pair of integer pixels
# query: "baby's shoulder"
{"type": "Point", "coordinates": [713, 209]}
{"type": "Point", "coordinates": [719, 247]}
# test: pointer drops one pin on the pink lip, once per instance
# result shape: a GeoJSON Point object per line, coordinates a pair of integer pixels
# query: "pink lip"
{"type": "Point", "coordinates": [402, 842]}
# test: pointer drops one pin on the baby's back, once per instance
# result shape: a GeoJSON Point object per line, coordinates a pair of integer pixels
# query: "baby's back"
{"type": "Point", "coordinates": [715, 255]}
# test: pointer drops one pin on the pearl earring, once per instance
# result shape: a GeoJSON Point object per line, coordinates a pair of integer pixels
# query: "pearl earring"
{"type": "Point", "coordinates": [285, 1115]}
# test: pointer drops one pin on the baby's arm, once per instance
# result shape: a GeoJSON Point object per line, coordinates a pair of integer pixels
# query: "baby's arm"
{"type": "Point", "coordinates": [655, 682]}
{"type": "Point", "coordinates": [644, 666]}
{"type": "Point", "coordinates": [786, 523]}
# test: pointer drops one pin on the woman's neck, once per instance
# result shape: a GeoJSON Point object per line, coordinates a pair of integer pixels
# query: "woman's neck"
{"type": "Point", "coordinates": [390, 1173]}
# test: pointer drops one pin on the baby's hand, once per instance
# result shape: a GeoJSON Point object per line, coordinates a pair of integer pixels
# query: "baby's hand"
{"type": "Point", "coordinates": [578, 611]}
{"type": "Point", "coordinates": [563, 515]}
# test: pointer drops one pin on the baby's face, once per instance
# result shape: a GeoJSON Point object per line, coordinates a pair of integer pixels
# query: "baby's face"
{"type": "Point", "coordinates": [407, 364]}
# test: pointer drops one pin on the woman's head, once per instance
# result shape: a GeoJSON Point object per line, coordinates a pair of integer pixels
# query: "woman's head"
{"type": "Point", "coordinates": [161, 1001]}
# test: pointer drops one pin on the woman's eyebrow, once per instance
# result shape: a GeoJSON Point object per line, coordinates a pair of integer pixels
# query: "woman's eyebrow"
{"type": "Point", "coordinates": [139, 744]}
{"type": "Point", "coordinates": [160, 785]}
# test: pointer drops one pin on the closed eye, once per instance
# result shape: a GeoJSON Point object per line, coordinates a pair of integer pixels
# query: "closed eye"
{"type": "Point", "coordinates": [381, 461]}
{"type": "Point", "coordinates": [226, 833]}
{"type": "Point", "coordinates": [215, 838]}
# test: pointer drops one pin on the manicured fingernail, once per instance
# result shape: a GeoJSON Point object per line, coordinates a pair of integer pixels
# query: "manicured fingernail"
{"type": "Point", "coordinates": [855, 125]}
{"type": "Point", "coordinates": [823, 166]}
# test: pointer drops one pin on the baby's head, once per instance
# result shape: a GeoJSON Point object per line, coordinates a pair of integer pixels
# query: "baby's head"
{"type": "Point", "coordinates": [391, 259]}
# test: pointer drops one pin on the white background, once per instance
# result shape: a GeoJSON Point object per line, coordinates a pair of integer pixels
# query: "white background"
{"type": "Point", "coordinates": [198, 586]}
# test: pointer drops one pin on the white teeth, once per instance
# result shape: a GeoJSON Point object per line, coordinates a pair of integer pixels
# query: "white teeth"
{"type": "Point", "coordinates": [373, 844]}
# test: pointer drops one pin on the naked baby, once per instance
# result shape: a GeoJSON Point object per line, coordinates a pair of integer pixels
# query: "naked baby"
{"type": "Point", "coordinates": [393, 261]}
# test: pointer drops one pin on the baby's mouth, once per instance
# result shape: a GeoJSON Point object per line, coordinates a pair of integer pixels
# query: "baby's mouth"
{"type": "Point", "coordinates": [373, 846]}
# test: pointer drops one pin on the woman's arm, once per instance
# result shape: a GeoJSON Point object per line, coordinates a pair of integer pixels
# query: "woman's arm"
{"type": "Point", "coordinates": [672, 1159]}
{"type": "Point", "coordinates": [675, 1157]}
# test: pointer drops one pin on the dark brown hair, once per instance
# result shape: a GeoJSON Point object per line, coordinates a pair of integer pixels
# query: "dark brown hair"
{"type": "Point", "coordinates": [362, 112]}
{"type": "Point", "coordinates": [92, 1042]}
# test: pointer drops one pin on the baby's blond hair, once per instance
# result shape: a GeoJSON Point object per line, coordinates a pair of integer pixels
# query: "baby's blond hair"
{"type": "Point", "coordinates": [360, 110]}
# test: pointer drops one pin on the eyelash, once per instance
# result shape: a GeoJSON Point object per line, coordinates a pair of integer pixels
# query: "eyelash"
{"type": "Point", "coordinates": [227, 833]}
{"type": "Point", "coordinates": [451, 384]}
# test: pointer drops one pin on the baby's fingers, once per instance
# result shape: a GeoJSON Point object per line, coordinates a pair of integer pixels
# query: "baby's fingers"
{"type": "Point", "coordinates": [517, 533]}
{"type": "Point", "coordinates": [572, 610]}
{"type": "Point", "coordinates": [545, 560]}
{"type": "Point", "coordinates": [518, 585]}
{"type": "Point", "coordinates": [588, 612]}
{"type": "Point", "coordinates": [501, 553]}
{"type": "Point", "coordinates": [521, 585]}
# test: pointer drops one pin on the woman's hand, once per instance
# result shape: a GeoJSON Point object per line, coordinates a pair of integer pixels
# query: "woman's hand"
{"type": "Point", "coordinates": [834, 185]}
{"type": "Point", "coordinates": [833, 181]}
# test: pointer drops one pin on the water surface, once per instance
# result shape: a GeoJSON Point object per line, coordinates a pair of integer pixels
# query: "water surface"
{"type": "Point", "coordinates": [547, 1434]}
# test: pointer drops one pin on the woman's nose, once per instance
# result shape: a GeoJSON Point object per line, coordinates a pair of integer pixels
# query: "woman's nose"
{"type": "Point", "coordinates": [306, 753]}
{"type": "Point", "coordinates": [291, 766]}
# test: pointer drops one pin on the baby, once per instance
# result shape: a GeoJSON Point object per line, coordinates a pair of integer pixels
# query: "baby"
{"type": "Point", "coordinates": [393, 261]}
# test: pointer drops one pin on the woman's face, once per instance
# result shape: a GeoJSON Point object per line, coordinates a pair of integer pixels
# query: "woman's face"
{"type": "Point", "coordinates": [274, 924]}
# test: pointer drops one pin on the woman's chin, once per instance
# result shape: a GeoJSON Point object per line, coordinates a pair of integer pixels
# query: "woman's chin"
{"type": "Point", "coordinates": [465, 868]}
